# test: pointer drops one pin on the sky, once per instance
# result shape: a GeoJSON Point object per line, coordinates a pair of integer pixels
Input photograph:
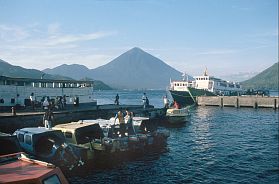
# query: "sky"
{"type": "Point", "coordinates": [227, 37]}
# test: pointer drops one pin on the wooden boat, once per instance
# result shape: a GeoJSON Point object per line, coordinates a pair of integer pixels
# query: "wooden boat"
{"type": "Point", "coordinates": [84, 135]}
{"type": "Point", "coordinates": [48, 145]}
{"type": "Point", "coordinates": [146, 134]}
{"type": "Point", "coordinates": [176, 116]}
{"type": "Point", "coordinates": [18, 169]}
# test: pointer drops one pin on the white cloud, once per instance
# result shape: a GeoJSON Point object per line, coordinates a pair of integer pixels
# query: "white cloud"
{"type": "Point", "coordinates": [37, 47]}
{"type": "Point", "coordinates": [12, 33]}
{"type": "Point", "coordinates": [53, 28]}
{"type": "Point", "coordinates": [63, 39]}
{"type": "Point", "coordinates": [217, 52]}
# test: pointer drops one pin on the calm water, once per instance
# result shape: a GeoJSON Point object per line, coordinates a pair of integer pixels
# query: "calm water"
{"type": "Point", "coordinates": [225, 145]}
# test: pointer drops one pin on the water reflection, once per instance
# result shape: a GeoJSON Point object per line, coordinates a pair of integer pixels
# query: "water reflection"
{"type": "Point", "coordinates": [201, 124]}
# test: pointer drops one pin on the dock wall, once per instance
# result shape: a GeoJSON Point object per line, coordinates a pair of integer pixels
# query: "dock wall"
{"type": "Point", "coordinates": [9, 123]}
{"type": "Point", "coordinates": [239, 101]}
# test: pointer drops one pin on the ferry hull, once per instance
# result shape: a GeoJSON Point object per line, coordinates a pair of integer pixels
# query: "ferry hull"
{"type": "Point", "coordinates": [200, 92]}
{"type": "Point", "coordinates": [183, 98]}
{"type": "Point", "coordinates": [187, 98]}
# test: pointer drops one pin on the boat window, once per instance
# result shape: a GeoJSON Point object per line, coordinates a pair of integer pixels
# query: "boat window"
{"type": "Point", "coordinates": [20, 137]}
{"type": "Point", "coordinates": [89, 133]}
{"type": "Point", "coordinates": [68, 135]}
{"type": "Point", "coordinates": [28, 139]}
{"type": "Point", "coordinates": [12, 100]}
{"type": "Point", "coordinates": [52, 179]}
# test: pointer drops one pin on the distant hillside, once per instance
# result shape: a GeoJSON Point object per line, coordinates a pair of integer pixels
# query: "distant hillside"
{"type": "Point", "coordinates": [74, 71]}
{"type": "Point", "coordinates": [134, 69]}
{"type": "Point", "coordinates": [9, 70]}
{"type": "Point", "coordinates": [268, 79]}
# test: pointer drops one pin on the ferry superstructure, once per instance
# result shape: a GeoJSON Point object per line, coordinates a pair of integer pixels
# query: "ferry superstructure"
{"type": "Point", "coordinates": [17, 91]}
{"type": "Point", "coordinates": [185, 91]}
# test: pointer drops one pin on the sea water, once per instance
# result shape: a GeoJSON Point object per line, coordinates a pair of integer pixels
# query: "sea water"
{"type": "Point", "coordinates": [217, 145]}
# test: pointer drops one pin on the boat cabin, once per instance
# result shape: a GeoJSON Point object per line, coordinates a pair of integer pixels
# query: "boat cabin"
{"type": "Point", "coordinates": [83, 134]}
{"type": "Point", "coordinates": [48, 145]}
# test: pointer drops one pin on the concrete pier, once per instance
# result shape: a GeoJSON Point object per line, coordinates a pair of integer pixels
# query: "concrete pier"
{"type": "Point", "coordinates": [10, 122]}
{"type": "Point", "coordinates": [239, 101]}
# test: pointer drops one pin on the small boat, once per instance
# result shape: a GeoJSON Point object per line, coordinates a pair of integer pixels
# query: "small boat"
{"type": "Point", "coordinates": [85, 135]}
{"type": "Point", "coordinates": [146, 134]}
{"type": "Point", "coordinates": [48, 145]}
{"type": "Point", "coordinates": [16, 168]}
{"type": "Point", "coordinates": [176, 116]}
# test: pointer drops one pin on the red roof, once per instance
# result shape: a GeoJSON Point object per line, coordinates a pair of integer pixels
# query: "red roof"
{"type": "Point", "coordinates": [21, 171]}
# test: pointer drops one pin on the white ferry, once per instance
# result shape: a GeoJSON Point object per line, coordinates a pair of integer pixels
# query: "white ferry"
{"type": "Point", "coordinates": [185, 92]}
{"type": "Point", "coordinates": [16, 92]}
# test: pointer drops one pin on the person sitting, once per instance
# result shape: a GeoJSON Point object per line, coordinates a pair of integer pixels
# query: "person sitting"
{"type": "Point", "coordinates": [176, 105]}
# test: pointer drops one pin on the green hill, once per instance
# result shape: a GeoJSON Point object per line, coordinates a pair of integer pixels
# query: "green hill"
{"type": "Point", "coordinates": [9, 70]}
{"type": "Point", "coordinates": [267, 79]}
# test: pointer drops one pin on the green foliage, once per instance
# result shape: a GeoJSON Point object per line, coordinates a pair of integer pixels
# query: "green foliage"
{"type": "Point", "coordinates": [98, 85]}
{"type": "Point", "coordinates": [268, 79]}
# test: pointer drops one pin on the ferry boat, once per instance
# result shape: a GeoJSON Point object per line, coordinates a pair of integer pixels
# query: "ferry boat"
{"type": "Point", "coordinates": [185, 91]}
{"type": "Point", "coordinates": [16, 92]}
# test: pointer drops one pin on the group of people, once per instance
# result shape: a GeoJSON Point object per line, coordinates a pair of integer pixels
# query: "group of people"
{"type": "Point", "coordinates": [145, 100]}
{"type": "Point", "coordinates": [59, 102]}
{"type": "Point", "coordinates": [167, 105]}
{"type": "Point", "coordinates": [125, 127]}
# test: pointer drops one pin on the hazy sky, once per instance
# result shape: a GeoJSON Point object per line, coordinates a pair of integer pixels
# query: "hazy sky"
{"type": "Point", "coordinates": [226, 36]}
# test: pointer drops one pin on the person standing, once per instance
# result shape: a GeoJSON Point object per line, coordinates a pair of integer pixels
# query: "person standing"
{"type": "Point", "coordinates": [144, 100]}
{"type": "Point", "coordinates": [48, 119]}
{"type": "Point", "coordinates": [46, 104]}
{"type": "Point", "coordinates": [32, 100]}
{"type": "Point", "coordinates": [120, 116]}
{"type": "Point", "coordinates": [116, 101]}
{"type": "Point", "coordinates": [166, 102]}
{"type": "Point", "coordinates": [130, 126]}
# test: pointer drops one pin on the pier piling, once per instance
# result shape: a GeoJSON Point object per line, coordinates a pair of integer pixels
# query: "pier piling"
{"type": "Point", "coordinates": [239, 101]}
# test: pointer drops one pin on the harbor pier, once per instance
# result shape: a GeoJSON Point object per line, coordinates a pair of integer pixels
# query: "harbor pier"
{"type": "Point", "coordinates": [10, 122]}
{"type": "Point", "coordinates": [239, 101]}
